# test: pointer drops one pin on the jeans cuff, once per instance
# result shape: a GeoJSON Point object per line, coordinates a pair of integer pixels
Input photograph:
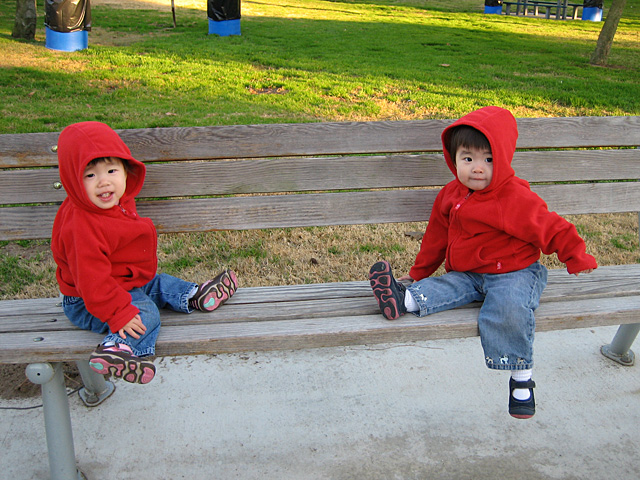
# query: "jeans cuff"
{"type": "Point", "coordinates": [184, 299]}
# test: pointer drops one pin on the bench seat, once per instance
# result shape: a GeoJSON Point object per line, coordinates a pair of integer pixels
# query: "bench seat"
{"type": "Point", "coordinates": [311, 316]}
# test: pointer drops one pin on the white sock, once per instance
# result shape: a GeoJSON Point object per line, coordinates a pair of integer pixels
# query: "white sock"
{"type": "Point", "coordinates": [410, 303]}
{"type": "Point", "coordinates": [521, 376]}
{"type": "Point", "coordinates": [193, 292]}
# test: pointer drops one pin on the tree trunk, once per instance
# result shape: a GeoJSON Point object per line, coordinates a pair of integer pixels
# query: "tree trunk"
{"type": "Point", "coordinates": [26, 17]}
{"type": "Point", "coordinates": [599, 56]}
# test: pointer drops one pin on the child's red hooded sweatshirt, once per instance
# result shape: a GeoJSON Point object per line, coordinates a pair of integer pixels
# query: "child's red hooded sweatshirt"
{"type": "Point", "coordinates": [501, 228]}
{"type": "Point", "coordinates": [101, 254]}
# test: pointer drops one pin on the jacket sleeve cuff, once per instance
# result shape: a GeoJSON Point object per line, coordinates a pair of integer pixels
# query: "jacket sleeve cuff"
{"type": "Point", "coordinates": [582, 264]}
{"type": "Point", "coordinates": [122, 318]}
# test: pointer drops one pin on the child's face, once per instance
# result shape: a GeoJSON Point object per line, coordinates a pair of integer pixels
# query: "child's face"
{"type": "Point", "coordinates": [474, 167]}
{"type": "Point", "coordinates": [105, 182]}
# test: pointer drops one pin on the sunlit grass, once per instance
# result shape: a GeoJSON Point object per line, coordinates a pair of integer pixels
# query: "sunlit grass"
{"type": "Point", "coordinates": [310, 60]}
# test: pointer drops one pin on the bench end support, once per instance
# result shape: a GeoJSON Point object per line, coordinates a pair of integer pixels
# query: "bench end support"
{"type": "Point", "coordinates": [96, 389]}
{"type": "Point", "coordinates": [627, 359]}
{"type": "Point", "coordinates": [57, 420]}
{"type": "Point", "coordinates": [619, 350]}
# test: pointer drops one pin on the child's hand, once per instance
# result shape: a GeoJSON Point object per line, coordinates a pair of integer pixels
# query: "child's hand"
{"type": "Point", "coordinates": [406, 278]}
{"type": "Point", "coordinates": [135, 328]}
{"type": "Point", "coordinates": [589, 270]}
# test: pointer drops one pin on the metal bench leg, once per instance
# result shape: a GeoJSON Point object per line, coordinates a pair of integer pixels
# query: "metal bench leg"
{"type": "Point", "coordinates": [57, 420]}
{"type": "Point", "coordinates": [619, 350]}
{"type": "Point", "coordinates": [96, 389]}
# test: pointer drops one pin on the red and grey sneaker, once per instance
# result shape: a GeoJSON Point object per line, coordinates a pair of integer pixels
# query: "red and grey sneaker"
{"type": "Point", "coordinates": [119, 361]}
{"type": "Point", "coordinates": [212, 294]}
{"type": "Point", "coordinates": [522, 408]}
{"type": "Point", "coordinates": [388, 291]}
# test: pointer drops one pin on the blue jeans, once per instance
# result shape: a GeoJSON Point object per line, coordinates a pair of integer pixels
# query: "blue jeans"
{"type": "Point", "coordinates": [506, 321]}
{"type": "Point", "coordinates": [162, 291]}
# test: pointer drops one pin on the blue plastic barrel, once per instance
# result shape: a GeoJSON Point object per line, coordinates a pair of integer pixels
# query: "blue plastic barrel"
{"type": "Point", "coordinates": [224, 28]}
{"type": "Point", "coordinates": [497, 10]}
{"type": "Point", "coordinates": [593, 14]}
{"type": "Point", "coordinates": [66, 42]}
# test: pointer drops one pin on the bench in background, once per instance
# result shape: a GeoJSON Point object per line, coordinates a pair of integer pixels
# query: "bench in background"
{"type": "Point", "coordinates": [561, 7]}
{"type": "Point", "coordinates": [297, 175]}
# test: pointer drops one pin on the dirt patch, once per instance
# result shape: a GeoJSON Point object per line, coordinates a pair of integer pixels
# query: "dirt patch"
{"type": "Point", "coordinates": [150, 4]}
{"type": "Point", "coordinates": [20, 251]}
{"type": "Point", "coordinates": [15, 384]}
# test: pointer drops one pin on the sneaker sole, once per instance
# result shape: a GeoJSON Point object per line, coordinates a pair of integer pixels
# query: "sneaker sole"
{"type": "Point", "coordinates": [219, 293]}
{"type": "Point", "coordinates": [380, 280]}
{"type": "Point", "coordinates": [522, 417]}
{"type": "Point", "coordinates": [132, 371]}
{"type": "Point", "coordinates": [521, 411]}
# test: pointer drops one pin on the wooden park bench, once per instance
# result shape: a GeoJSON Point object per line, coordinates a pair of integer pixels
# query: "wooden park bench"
{"type": "Point", "coordinates": [524, 7]}
{"type": "Point", "coordinates": [300, 175]}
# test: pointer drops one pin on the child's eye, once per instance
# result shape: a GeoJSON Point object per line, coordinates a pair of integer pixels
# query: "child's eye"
{"type": "Point", "coordinates": [467, 159]}
{"type": "Point", "coordinates": [89, 175]}
{"type": "Point", "coordinates": [489, 160]}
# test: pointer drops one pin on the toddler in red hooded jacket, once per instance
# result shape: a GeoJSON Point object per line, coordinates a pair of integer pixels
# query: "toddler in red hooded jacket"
{"type": "Point", "coordinates": [489, 229]}
{"type": "Point", "coordinates": [106, 255]}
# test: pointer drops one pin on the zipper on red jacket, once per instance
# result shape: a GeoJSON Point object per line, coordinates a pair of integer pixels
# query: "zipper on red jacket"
{"type": "Point", "coordinates": [455, 219]}
{"type": "Point", "coordinates": [128, 214]}
{"type": "Point", "coordinates": [459, 204]}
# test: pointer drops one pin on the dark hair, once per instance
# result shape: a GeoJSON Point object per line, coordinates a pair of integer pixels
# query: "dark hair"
{"type": "Point", "coordinates": [125, 164]}
{"type": "Point", "coordinates": [466, 136]}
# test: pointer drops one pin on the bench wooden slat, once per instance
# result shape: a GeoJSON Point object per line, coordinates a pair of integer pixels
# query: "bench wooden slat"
{"type": "Point", "coordinates": [247, 295]}
{"type": "Point", "coordinates": [259, 141]}
{"type": "Point", "coordinates": [28, 150]}
{"type": "Point", "coordinates": [295, 174]}
{"type": "Point", "coordinates": [244, 213]}
{"type": "Point", "coordinates": [238, 313]}
{"type": "Point", "coordinates": [619, 279]}
{"type": "Point", "coordinates": [249, 177]}
{"type": "Point", "coordinates": [577, 165]}
{"type": "Point", "coordinates": [335, 173]}
{"type": "Point", "coordinates": [246, 141]}
{"type": "Point", "coordinates": [342, 208]}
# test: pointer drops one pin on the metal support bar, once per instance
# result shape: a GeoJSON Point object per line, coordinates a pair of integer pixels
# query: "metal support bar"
{"type": "Point", "coordinates": [57, 420]}
{"type": "Point", "coordinates": [96, 389]}
{"type": "Point", "coordinates": [619, 350]}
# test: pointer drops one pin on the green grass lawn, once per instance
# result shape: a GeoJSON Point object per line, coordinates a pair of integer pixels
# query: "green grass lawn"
{"type": "Point", "coordinates": [311, 60]}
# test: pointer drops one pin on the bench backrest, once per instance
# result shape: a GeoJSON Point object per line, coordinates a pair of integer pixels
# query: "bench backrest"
{"type": "Point", "coordinates": [292, 175]}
